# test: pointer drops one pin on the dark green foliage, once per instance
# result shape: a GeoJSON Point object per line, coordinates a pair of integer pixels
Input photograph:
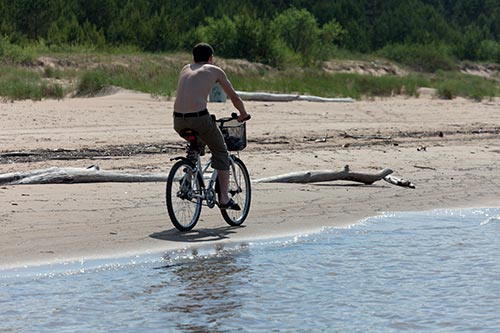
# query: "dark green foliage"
{"type": "Point", "coordinates": [489, 50]}
{"type": "Point", "coordinates": [420, 57]}
{"type": "Point", "coordinates": [14, 54]}
{"type": "Point", "coordinates": [424, 35]}
{"type": "Point", "coordinates": [269, 31]}
{"type": "Point", "coordinates": [409, 22]}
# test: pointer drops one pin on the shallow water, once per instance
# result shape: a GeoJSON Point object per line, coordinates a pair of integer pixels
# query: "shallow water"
{"type": "Point", "coordinates": [433, 271]}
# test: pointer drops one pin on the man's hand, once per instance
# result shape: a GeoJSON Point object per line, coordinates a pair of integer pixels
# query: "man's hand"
{"type": "Point", "coordinates": [244, 117]}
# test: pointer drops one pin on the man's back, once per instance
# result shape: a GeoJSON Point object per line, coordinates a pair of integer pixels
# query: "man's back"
{"type": "Point", "coordinates": [195, 82]}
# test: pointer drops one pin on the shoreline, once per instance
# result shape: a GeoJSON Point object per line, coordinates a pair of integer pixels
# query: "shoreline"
{"type": "Point", "coordinates": [209, 240]}
{"type": "Point", "coordinates": [66, 222]}
{"type": "Point", "coordinates": [158, 254]}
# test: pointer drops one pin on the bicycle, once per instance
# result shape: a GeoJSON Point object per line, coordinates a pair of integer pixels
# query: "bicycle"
{"type": "Point", "coordinates": [187, 191]}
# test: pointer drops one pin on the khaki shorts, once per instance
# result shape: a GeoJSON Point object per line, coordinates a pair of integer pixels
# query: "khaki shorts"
{"type": "Point", "coordinates": [210, 135]}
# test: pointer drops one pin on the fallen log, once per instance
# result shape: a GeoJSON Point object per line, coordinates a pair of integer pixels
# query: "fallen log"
{"type": "Point", "coordinates": [76, 175]}
{"type": "Point", "coordinates": [269, 97]}
{"type": "Point", "coordinates": [325, 99]}
{"type": "Point", "coordinates": [93, 174]}
{"type": "Point", "coordinates": [325, 176]}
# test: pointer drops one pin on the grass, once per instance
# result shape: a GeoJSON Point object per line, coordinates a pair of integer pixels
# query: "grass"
{"type": "Point", "coordinates": [154, 74]}
{"type": "Point", "coordinates": [85, 73]}
{"type": "Point", "coordinates": [18, 84]}
{"type": "Point", "coordinates": [333, 85]}
{"type": "Point", "coordinates": [452, 84]}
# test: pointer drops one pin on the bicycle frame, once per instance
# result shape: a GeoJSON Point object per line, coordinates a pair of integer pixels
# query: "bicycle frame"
{"type": "Point", "coordinates": [208, 191]}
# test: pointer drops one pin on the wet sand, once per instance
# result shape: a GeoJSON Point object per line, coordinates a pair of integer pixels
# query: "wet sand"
{"type": "Point", "coordinates": [448, 148]}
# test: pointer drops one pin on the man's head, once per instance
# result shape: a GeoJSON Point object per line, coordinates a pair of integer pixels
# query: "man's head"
{"type": "Point", "coordinates": [202, 52]}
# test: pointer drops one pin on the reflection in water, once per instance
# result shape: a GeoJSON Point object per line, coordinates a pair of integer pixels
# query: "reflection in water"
{"type": "Point", "coordinates": [207, 293]}
{"type": "Point", "coordinates": [407, 272]}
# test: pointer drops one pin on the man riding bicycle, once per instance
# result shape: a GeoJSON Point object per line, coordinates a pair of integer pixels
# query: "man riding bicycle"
{"type": "Point", "coordinates": [190, 112]}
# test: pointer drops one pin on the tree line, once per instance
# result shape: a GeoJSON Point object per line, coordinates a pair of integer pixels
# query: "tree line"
{"type": "Point", "coordinates": [274, 32]}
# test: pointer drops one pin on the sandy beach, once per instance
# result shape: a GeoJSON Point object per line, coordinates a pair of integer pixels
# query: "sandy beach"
{"type": "Point", "coordinates": [449, 149]}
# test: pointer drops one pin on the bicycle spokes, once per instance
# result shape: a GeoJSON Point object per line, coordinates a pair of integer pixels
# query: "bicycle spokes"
{"type": "Point", "coordinates": [183, 196]}
{"type": "Point", "coordinates": [186, 192]}
{"type": "Point", "coordinates": [240, 192]}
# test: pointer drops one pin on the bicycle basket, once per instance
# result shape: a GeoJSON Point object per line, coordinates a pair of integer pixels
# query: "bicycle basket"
{"type": "Point", "coordinates": [235, 135]}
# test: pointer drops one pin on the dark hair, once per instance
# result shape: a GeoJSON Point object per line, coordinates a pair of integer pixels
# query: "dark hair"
{"type": "Point", "coordinates": [202, 52]}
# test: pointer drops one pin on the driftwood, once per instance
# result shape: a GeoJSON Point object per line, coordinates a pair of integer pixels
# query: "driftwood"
{"type": "Point", "coordinates": [329, 175]}
{"type": "Point", "coordinates": [76, 175]}
{"type": "Point", "coordinates": [424, 167]}
{"type": "Point", "coordinates": [268, 97]}
{"type": "Point", "coordinates": [399, 182]}
{"type": "Point", "coordinates": [325, 176]}
{"type": "Point", "coordinates": [93, 174]}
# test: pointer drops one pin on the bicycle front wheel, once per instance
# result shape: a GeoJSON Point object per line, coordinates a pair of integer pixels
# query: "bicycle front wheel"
{"type": "Point", "coordinates": [240, 191]}
{"type": "Point", "coordinates": [183, 195]}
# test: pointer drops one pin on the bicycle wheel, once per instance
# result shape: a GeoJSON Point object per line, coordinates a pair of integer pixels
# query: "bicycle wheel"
{"type": "Point", "coordinates": [240, 191]}
{"type": "Point", "coordinates": [183, 196]}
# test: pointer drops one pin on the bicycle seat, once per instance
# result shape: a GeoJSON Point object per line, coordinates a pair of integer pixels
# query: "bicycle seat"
{"type": "Point", "coordinates": [195, 147]}
{"type": "Point", "coordinates": [189, 134]}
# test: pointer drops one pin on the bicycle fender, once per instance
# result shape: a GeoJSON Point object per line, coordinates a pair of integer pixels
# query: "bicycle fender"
{"type": "Point", "coordinates": [180, 158]}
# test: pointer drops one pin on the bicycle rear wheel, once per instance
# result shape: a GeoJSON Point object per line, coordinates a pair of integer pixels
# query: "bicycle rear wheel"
{"type": "Point", "coordinates": [240, 191]}
{"type": "Point", "coordinates": [183, 196]}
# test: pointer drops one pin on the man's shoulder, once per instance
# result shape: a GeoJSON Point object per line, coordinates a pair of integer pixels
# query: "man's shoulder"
{"type": "Point", "coordinates": [213, 67]}
{"type": "Point", "coordinates": [203, 67]}
{"type": "Point", "coordinates": [219, 72]}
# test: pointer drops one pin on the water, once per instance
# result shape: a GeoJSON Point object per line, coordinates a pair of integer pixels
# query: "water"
{"type": "Point", "coordinates": [433, 271]}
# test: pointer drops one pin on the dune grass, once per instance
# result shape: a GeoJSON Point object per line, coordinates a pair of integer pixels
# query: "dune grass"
{"type": "Point", "coordinates": [87, 73]}
{"type": "Point", "coordinates": [19, 84]}
{"type": "Point", "coordinates": [453, 84]}
{"type": "Point", "coordinates": [334, 85]}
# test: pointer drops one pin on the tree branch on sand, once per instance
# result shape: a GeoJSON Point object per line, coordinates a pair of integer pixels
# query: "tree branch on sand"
{"type": "Point", "coordinates": [329, 175]}
{"type": "Point", "coordinates": [93, 174]}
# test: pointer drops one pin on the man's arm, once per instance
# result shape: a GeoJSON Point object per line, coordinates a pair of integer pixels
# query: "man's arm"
{"type": "Point", "coordinates": [235, 98]}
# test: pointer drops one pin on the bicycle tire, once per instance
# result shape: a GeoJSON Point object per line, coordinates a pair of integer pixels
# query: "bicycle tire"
{"type": "Point", "coordinates": [183, 209]}
{"type": "Point", "coordinates": [242, 195]}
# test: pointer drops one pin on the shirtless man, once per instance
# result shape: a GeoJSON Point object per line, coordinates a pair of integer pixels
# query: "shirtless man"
{"type": "Point", "coordinates": [190, 111]}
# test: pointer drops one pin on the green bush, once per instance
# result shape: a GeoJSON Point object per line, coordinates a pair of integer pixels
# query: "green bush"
{"type": "Point", "coordinates": [242, 37]}
{"type": "Point", "coordinates": [423, 58]}
{"type": "Point", "coordinates": [466, 46]}
{"type": "Point", "coordinates": [148, 73]}
{"type": "Point", "coordinates": [221, 33]}
{"type": "Point", "coordinates": [15, 54]}
{"type": "Point", "coordinates": [291, 38]}
{"type": "Point", "coordinates": [489, 50]}
{"type": "Point", "coordinates": [452, 84]}
{"type": "Point", "coordinates": [92, 82]}
{"type": "Point", "coordinates": [300, 32]}
{"type": "Point", "coordinates": [19, 84]}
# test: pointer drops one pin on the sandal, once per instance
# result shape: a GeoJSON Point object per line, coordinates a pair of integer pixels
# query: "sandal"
{"type": "Point", "coordinates": [230, 205]}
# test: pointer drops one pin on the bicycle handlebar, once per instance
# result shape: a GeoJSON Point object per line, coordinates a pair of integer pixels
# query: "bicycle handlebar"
{"type": "Point", "coordinates": [234, 115]}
